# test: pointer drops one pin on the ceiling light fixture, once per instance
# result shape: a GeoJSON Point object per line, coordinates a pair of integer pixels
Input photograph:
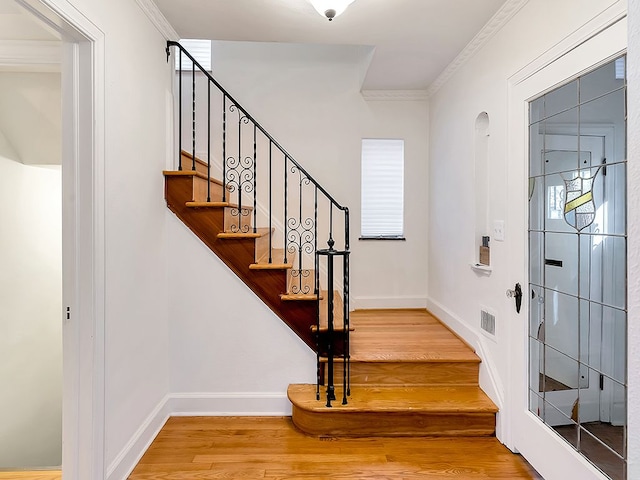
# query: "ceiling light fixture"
{"type": "Point", "coordinates": [331, 8]}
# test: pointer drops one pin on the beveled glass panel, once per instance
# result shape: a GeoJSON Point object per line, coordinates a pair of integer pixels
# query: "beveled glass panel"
{"type": "Point", "coordinates": [599, 453]}
{"type": "Point", "coordinates": [561, 99]}
{"type": "Point", "coordinates": [561, 262]}
{"type": "Point", "coordinates": [561, 370]}
{"type": "Point", "coordinates": [536, 147]}
{"type": "Point", "coordinates": [536, 405]}
{"type": "Point", "coordinates": [536, 260]}
{"type": "Point", "coordinates": [536, 203]}
{"type": "Point", "coordinates": [606, 114]}
{"type": "Point", "coordinates": [561, 423]}
{"type": "Point", "coordinates": [591, 267]}
{"type": "Point", "coordinates": [536, 110]}
{"type": "Point", "coordinates": [609, 196]}
{"type": "Point", "coordinates": [561, 323]}
{"type": "Point", "coordinates": [602, 80]}
{"type": "Point", "coordinates": [614, 271]}
{"type": "Point", "coordinates": [585, 330]}
{"type": "Point", "coordinates": [536, 365]}
{"type": "Point", "coordinates": [554, 200]}
{"type": "Point", "coordinates": [590, 348]}
{"type": "Point", "coordinates": [536, 311]}
{"type": "Point", "coordinates": [613, 342]}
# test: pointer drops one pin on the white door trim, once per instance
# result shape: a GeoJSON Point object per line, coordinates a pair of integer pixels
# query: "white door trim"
{"type": "Point", "coordinates": [601, 39]}
{"type": "Point", "coordinates": [83, 229]}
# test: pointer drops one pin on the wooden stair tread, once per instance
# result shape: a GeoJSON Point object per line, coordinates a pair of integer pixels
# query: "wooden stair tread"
{"type": "Point", "coordinates": [190, 173]}
{"type": "Point", "coordinates": [277, 261]}
{"type": "Point", "coordinates": [379, 399]}
{"type": "Point", "coordinates": [298, 297]}
{"type": "Point", "coordinates": [405, 336]}
{"type": "Point", "coordinates": [215, 205]}
{"type": "Point", "coordinates": [260, 232]}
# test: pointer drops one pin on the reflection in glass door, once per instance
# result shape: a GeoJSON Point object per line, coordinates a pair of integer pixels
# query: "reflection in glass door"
{"type": "Point", "coordinates": [577, 264]}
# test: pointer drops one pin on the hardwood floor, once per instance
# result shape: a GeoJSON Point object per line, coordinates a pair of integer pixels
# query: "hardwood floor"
{"type": "Point", "coordinates": [202, 448]}
{"type": "Point", "coordinates": [32, 475]}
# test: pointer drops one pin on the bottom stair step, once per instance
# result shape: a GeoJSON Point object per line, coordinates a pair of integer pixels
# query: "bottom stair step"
{"type": "Point", "coordinates": [395, 411]}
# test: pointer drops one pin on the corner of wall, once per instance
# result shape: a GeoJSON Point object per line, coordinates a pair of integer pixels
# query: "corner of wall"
{"type": "Point", "coordinates": [132, 452]}
{"type": "Point", "coordinates": [490, 381]}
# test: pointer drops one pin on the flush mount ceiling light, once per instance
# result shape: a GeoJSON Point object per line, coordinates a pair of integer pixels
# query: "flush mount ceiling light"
{"type": "Point", "coordinates": [331, 8]}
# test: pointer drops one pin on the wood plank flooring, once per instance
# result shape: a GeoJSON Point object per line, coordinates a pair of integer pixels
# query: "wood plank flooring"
{"type": "Point", "coordinates": [32, 475]}
{"type": "Point", "coordinates": [404, 335]}
{"type": "Point", "coordinates": [202, 448]}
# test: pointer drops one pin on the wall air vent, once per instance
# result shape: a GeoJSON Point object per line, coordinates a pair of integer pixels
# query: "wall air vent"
{"type": "Point", "coordinates": [488, 322]}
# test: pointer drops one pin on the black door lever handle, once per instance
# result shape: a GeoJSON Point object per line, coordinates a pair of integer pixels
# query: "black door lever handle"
{"type": "Point", "coordinates": [517, 294]}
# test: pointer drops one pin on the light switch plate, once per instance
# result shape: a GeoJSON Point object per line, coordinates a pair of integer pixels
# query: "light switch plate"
{"type": "Point", "coordinates": [498, 230]}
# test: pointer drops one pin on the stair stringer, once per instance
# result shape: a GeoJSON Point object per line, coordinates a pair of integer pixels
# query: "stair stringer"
{"type": "Point", "coordinates": [238, 254]}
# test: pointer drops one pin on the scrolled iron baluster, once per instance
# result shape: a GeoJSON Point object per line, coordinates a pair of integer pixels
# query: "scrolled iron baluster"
{"type": "Point", "coordinates": [193, 116]}
{"type": "Point", "coordinates": [316, 290]}
{"type": "Point", "coordinates": [270, 201]}
{"type": "Point", "coordinates": [208, 141]}
{"type": "Point", "coordinates": [224, 148]}
{"type": "Point", "coordinates": [255, 179]}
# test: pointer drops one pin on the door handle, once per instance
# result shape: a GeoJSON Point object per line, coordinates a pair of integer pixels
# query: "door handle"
{"type": "Point", "coordinates": [517, 294]}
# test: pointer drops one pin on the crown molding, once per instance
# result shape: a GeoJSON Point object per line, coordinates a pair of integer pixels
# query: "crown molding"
{"type": "Point", "coordinates": [158, 19]}
{"type": "Point", "coordinates": [395, 95]}
{"type": "Point", "coordinates": [493, 26]}
{"type": "Point", "coordinates": [27, 55]}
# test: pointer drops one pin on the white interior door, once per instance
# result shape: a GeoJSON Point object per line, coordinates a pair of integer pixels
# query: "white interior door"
{"type": "Point", "coordinates": [571, 304]}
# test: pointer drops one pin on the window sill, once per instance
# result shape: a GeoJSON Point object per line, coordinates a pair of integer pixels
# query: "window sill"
{"type": "Point", "coordinates": [481, 269]}
{"type": "Point", "coordinates": [381, 237]}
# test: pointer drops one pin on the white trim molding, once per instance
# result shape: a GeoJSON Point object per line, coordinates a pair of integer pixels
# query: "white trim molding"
{"type": "Point", "coordinates": [362, 303]}
{"type": "Point", "coordinates": [489, 381]}
{"type": "Point", "coordinates": [210, 404]}
{"type": "Point", "coordinates": [140, 441]}
{"type": "Point", "coordinates": [157, 18]}
{"type": "Point", "coordinates": [493, 26]}
{"type": "Point", "coordinates": [216, 404]}
{"type": "Point", "coordinates": [395, 95]}
{"type": "Point", "coordinates": [25, 55]}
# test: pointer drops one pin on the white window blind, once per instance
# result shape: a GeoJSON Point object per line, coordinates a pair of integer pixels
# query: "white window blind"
{"type": "Point", "coordinates": [382, 188]}
{"type": "Point", "coordinates": [199, 49]}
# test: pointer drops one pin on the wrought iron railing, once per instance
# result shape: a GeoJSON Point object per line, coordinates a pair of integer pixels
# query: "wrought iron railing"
{"type": "Point", "coordinates": [267, 187]}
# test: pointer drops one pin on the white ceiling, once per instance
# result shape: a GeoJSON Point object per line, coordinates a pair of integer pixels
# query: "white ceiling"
{"type": "Point", "coordinates": [414, 40]}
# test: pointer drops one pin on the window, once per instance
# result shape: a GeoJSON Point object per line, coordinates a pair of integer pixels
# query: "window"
{"type": "Point", "coordinates": [382, 186]}
{"type": "Point", "coordinates": [199, 49]}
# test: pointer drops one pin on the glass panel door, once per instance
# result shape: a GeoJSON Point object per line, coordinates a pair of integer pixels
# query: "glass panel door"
{"type": "Point", "coordinates": [577, 264]}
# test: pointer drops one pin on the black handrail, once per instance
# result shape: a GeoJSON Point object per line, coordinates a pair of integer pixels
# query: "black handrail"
{"type": "Point", "coordinates": [300, 231]}
{"type": "Point", "coordinates": [171, 43]}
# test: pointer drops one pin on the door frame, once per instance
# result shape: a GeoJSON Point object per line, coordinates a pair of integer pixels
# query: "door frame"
{"type": "Point", "coordinates": [599, 41]}
{"type": "Point", "coordinates": [83, 236]}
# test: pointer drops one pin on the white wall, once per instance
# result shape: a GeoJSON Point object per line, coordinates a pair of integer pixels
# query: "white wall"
{"type": "Point", "coordinates": [455, 291]}
{"type": "Point", "coordinates": [30, 112]}
{"type": "Point", "coordinates": [229, 352]}
{"type": "Point", "coordinates": [30, 315]}
{"type": "Point", "coordinates": [308, 98]}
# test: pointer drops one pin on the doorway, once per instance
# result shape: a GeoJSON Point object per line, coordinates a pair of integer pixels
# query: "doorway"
{"type": "Point", "coordinates": [83, 224]}
{"type": "Point", "coordinates": [549, 368]}
{"type": "Point", "coordinates": [577, 264]}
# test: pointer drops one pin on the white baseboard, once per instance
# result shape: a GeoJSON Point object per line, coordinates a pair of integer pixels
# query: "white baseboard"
{"type": "Point", "coordinates": [454, 323]}
{"type": "Point", "coordinates": [191, 405]}
{"type": "Point", "coordinates": [489, 380]}
{"type": "Point", "coordinates": [227, 404]}
{"type": "Point", "coordinates": [130, 455]}
{"type": "Point", "coordinates": [363, 303]}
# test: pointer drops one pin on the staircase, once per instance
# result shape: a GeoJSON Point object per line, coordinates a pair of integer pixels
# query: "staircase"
{"type": "Point", "coordinates": [410, 376]}
{"type": "Point", "coordinates": [283, 234]}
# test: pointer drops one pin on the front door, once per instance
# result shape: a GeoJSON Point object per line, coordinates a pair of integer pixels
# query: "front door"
{"type": "Point", "coordinates": [570, 410]}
